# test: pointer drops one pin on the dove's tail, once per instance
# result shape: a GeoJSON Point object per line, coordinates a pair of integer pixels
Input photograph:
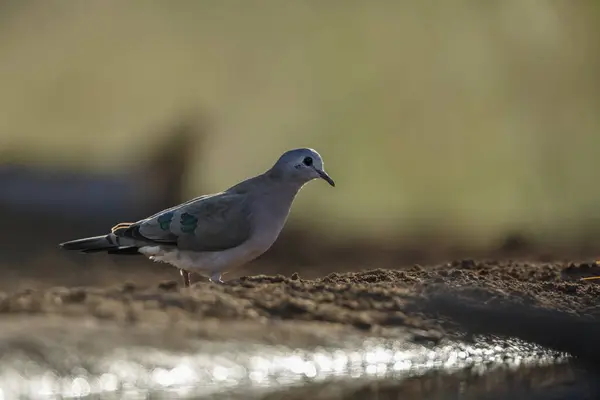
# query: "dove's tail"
{"type": "Point", "coordinates": [97, 244]}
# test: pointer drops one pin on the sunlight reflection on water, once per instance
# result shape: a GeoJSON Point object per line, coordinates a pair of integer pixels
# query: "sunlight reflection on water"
{"type": "Point", "coordinates": [137, 372]}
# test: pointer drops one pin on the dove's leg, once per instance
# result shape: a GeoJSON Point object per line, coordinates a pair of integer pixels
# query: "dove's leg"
{"type": "Point", "coordinates": [186, 277]}
{"type": "Point", "coordinates": [216, 277]}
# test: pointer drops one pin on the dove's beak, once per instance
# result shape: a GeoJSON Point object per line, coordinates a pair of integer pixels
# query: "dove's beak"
{"type": "Point", "coordinates": [325, 177]}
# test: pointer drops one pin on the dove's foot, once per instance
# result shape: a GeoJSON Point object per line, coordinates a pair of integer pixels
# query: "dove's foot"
{"type": "Point", "coordinates": [186, 277]}
{"type": "Point", "coordinates": [216, 278]}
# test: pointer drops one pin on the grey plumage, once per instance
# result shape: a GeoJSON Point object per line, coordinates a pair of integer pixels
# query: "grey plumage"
{"type": "Point", "coordinates": [214, 233]}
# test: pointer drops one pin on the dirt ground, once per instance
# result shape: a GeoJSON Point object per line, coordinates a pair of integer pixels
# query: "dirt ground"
{"type": "Point", "coordinates": [546, 303]}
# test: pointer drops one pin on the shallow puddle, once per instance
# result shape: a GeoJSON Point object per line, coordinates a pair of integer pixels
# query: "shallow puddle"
{"type": "Point", "coordinates": [237, 369]}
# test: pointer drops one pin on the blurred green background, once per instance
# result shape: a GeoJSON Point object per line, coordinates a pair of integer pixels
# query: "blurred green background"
{"type": "Point", "coordinates": [464, 120]}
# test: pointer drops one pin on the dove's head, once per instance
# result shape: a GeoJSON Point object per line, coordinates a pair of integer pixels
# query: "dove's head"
{"type": "Point", "coordinates": [301, 165]}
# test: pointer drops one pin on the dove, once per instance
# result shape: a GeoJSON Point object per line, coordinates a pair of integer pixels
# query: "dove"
{"type": "Point", "coordinates": [218, 232]}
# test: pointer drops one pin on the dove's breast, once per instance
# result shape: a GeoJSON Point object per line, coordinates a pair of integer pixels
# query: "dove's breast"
{"type": "Point", "coordinates": [268, 219]}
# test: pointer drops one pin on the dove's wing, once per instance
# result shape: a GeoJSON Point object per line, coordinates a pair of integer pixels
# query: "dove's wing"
{"type": "Point", "coordinates": [208, 223]}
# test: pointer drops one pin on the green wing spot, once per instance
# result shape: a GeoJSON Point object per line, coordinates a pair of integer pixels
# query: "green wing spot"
{"type": "Point", "coordinates": [165, 220]}
{"type": "Point", "coordinates": [188, 222]}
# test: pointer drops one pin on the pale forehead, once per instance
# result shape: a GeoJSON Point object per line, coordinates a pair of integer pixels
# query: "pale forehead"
{"type": "Point", "coordinates": [300, 153]}
{"type": "Point", "coordinates": [312, 153]}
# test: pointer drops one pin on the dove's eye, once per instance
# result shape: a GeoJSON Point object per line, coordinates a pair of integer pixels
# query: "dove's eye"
{"type": "Point", "coordinates": [308, 161]}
